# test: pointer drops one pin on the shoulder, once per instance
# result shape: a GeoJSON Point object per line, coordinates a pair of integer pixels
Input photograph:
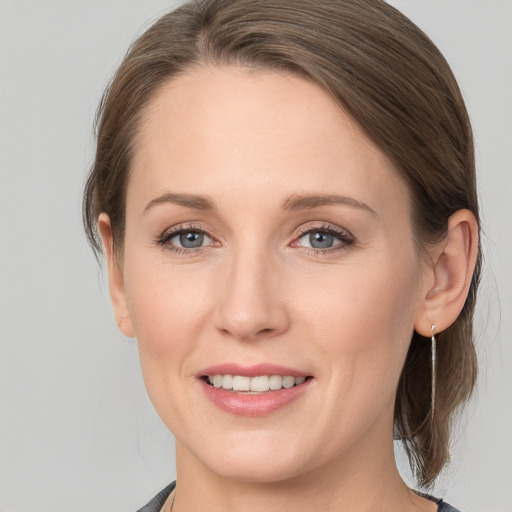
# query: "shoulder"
{"type": "Point", "coordinates": [441, 505]}
{"type": "Point", "coordinates": [444, 507]}
{"type": "Point", "coordinates": [158, 501]}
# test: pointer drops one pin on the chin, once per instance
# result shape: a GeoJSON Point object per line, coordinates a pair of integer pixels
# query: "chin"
{"type": "Point", "coordinates": [258, 471]}
{"type": "Point", "coordinates": [255, 457]}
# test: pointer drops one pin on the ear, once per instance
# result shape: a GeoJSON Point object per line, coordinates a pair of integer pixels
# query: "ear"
{"type": "Point", "coordinates": [452, 268]}
{"type": "Point", "coordinates": [115, 278]}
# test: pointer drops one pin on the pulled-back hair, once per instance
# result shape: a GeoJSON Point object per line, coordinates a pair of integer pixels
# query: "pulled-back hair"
{"type": "Point", "coordinates": [392, 80]}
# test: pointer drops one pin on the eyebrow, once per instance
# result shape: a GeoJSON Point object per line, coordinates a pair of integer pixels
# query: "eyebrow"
{"type": "Point", "coordinates": [304, 202]}
{"type": "Point", "coordinates": [294, 202]}
{"type": "Point", "coordinates": [188, 200]}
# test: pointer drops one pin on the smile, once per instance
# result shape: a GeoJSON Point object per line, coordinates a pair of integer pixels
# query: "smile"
{"type": "Point", "coordinates": [253, 391]}
{"type": "Point", "coordinates": [258, 384]}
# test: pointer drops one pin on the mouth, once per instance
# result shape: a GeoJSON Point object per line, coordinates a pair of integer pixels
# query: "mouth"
{"type": "Point", "coordinates": [254, 385]}
{"type": "Point", "coordinates": [256, 390]}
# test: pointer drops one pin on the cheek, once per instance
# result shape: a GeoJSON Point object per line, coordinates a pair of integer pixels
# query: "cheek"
{"type": "Point", "coordinates": [363, 318]}
{"type": "Point", "coordinates": [164, 299]}
{"type": "Point", "coordinates": [167, 311]}
{"type": "Point", "coordinates": [166, 306]}
{"type": "Point", "coordinates": [356, 329]}
{"type": "Point", "coordinates": [381, 293]}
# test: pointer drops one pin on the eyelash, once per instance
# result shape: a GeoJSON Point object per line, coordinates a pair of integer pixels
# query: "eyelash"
{"type": "Point", "coordinates": [342, 235]}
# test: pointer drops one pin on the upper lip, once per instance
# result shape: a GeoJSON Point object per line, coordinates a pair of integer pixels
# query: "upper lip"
{"type": "Point", "coordinates": [253, 370]}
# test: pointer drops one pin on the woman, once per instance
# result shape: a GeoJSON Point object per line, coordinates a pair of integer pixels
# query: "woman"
{"type": "Point", "coordinates": [285, 196]}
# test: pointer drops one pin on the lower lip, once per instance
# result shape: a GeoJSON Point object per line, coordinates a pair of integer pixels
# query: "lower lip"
{"type": "Point", "coordinates": [258, 404]}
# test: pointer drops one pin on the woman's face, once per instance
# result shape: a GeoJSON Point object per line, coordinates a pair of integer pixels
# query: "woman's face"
{"type": "Point", "coordinates": [267, 237]}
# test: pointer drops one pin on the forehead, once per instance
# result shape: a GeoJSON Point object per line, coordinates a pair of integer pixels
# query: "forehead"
{"type": "Point", "coordinates": [226, 130]}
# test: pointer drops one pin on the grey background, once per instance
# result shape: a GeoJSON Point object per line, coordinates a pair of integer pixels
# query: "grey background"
{"type": "Point", "coordinates": [77, 432]}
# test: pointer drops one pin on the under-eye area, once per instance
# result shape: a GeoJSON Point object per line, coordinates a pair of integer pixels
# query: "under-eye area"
{"type": "Point", "coordinates": [258, 384]}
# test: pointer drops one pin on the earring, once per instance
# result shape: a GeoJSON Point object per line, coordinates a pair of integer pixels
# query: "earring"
{"type": "Point", "coordinates": [433, 370]}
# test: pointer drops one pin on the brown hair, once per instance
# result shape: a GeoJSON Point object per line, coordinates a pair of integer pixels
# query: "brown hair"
{"type": "Point", "coordinates": [393, 81]}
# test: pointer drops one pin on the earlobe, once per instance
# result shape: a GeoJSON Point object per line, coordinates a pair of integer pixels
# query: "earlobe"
{"type": "Point", "coordinates": [453, 264]}
{"type": "Point", "coordinates": [115, 278]}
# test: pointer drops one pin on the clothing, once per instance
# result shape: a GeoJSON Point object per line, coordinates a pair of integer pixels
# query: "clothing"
{"type": "Point", "coordinates": [158, 501]}
{"type": "Point", "coordinates": [156, 504]}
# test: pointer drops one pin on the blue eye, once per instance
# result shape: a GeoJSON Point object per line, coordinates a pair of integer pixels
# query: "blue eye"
{"type": "Point", "coordinates": [185, 238]}
{"type": "Point", "coordinates": [324, 239]}
{"type": "Point", "coordinates": [321, 240]}
{"type": "Point", "coordinates": [189, 239]}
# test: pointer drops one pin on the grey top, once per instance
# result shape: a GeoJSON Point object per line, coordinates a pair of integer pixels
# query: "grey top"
{"type": "Point", "coordinates": [156, 504]}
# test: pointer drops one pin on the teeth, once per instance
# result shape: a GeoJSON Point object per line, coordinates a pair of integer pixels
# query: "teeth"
{"type": "Point", "coordinates": [241, 383]}
{"type": "Point", "coordinates": [276, 382]}
{"type": "Point", "coordinates": [227, 382]}
{"type": "Point", "coordinates": [288, 382]}
{"type": "Point", "coordinates": [259, 384]}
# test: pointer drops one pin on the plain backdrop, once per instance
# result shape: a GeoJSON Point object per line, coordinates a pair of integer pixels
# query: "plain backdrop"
{"type": "Point", "coordinates": [77, 432]}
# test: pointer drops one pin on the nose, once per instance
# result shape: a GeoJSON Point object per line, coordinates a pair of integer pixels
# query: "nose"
{"type": "Point", "coordinates": [251, 303]}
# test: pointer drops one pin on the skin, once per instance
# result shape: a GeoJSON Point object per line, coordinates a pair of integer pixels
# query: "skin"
{"type": "Point", "coordinates": [249, 142]}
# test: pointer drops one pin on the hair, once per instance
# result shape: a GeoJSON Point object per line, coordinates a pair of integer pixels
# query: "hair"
{"type": "Point", "coordinates": [392, 80]}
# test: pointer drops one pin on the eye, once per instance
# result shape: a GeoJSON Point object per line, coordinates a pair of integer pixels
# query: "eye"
{"type": "Point", "coordinates": [185, 238]}
{"type": "Point", "coordinates": [324, 239]}
{"type": "Point", "coordinates": [190, 239]}
{"type": "Point", "coordinates": [319, 240]}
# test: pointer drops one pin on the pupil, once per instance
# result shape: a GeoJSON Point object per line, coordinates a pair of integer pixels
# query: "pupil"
{"type": "Point", "coordinates": [191, 239]}
{"type": "Point", "coordinates": [320, 240]}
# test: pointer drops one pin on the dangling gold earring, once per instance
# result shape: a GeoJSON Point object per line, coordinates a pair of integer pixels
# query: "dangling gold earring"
{"type": "Point", "coordinates": [433, 369]}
